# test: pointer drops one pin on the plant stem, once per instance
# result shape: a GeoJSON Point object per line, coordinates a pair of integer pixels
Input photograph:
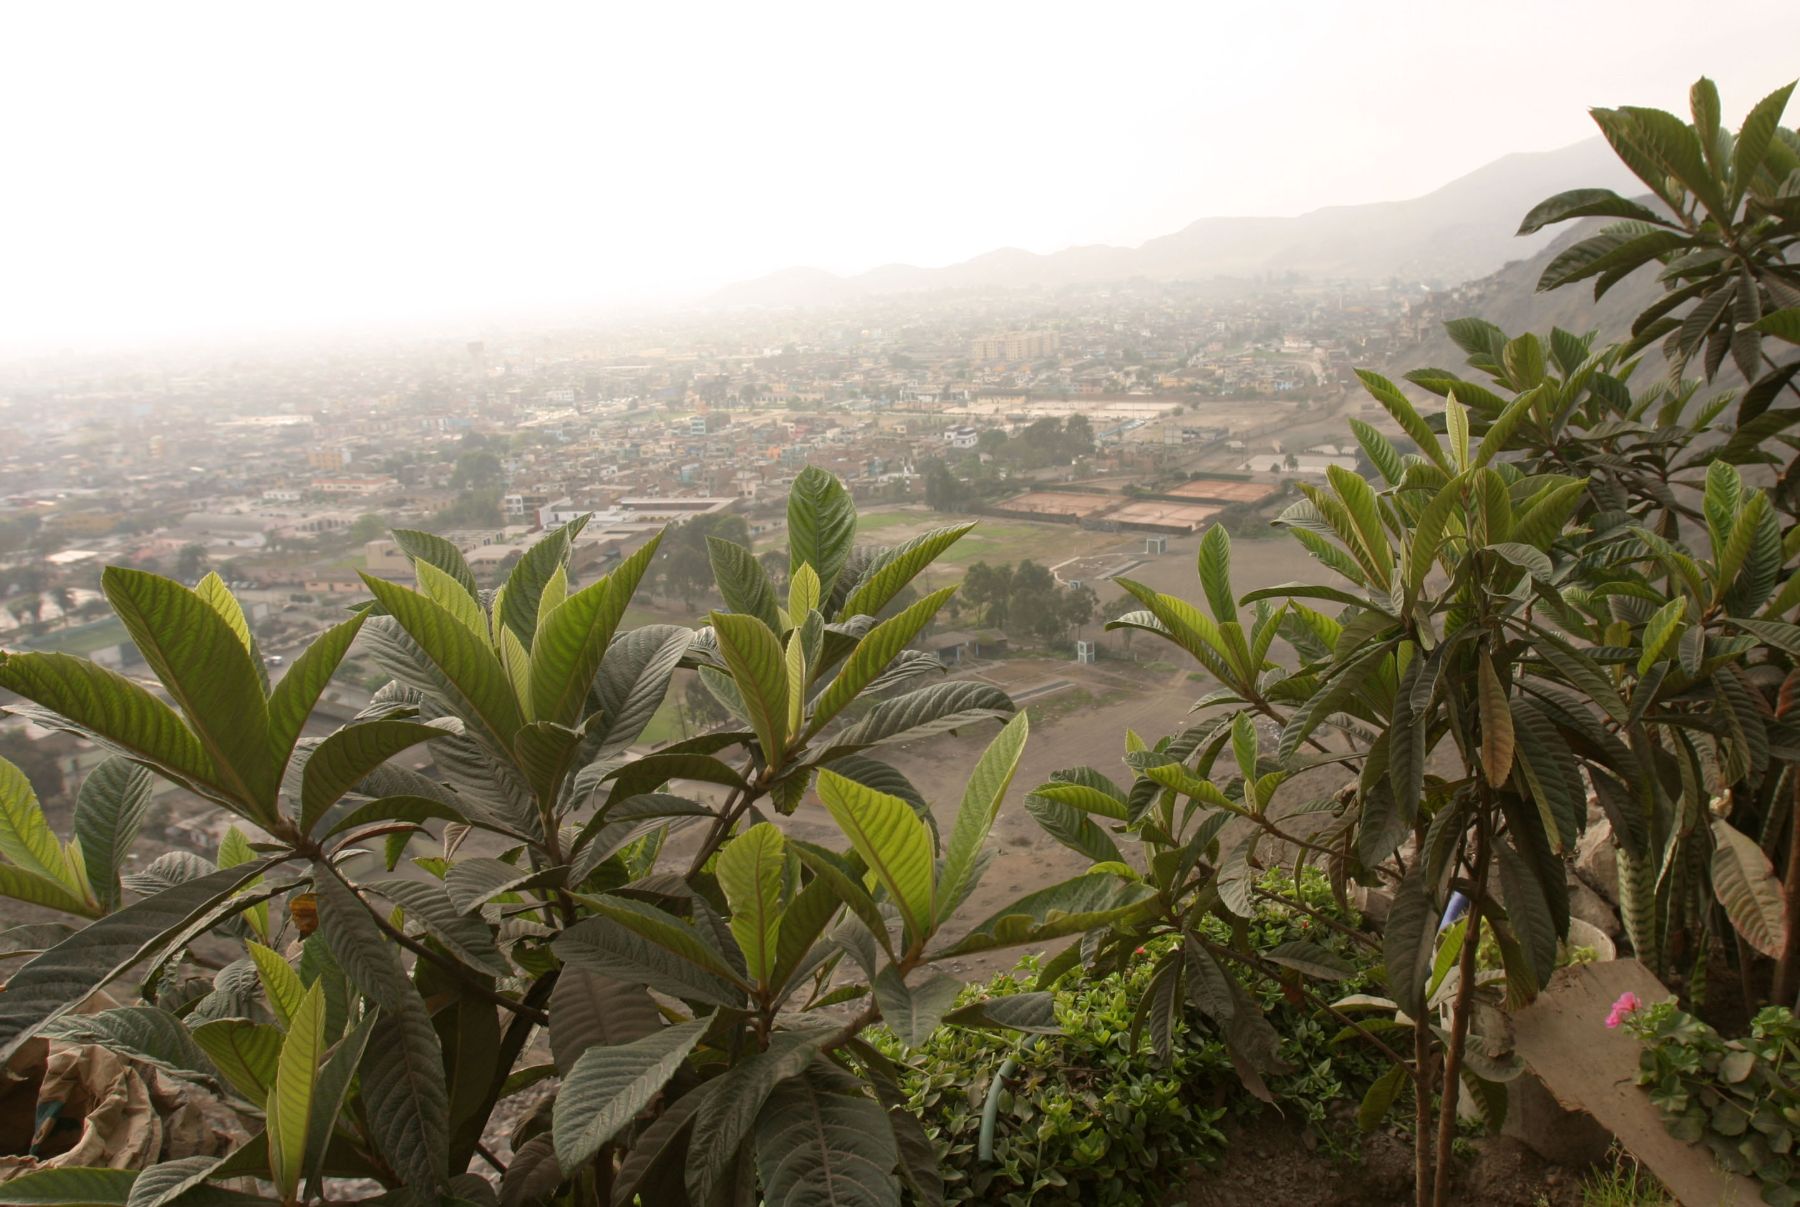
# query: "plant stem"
{"type": "Point", "coordinates": [1459, 1020]}
{"type": "Point", "coordinates": [1421, 1113]}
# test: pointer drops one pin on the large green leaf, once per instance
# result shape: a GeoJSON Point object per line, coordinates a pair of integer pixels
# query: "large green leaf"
{"type": "Point", "coordinates": [873, 653]}
{"type": "Point", "coordinates": [289, 1110]}
{"type": "Point", "coordinates": [821, 526]}
{"type": "Point", "coordinates": [206, 669]}
{"type": "Point", "coordinates": [246, 1053]}
{"type": "Point", "coordinates": [525, 585]}
{"type": "Point", "coordinates": [1407, 942]}
{"type": "Point", "coordinates": [26, 840]}
{"type": "Point", "coordinates": [1030, 1012]}
{"type": "Point", "coordinates": [617, 951]}
{"type": "Point", "coordinates": [170, 1180]}
{"type": "Point", "coordinates": [1073, 828]}
{"type": "Point", "coordinates": [465, 936]}
{"type": "Point", "coordinates": [892, 841]}
{"type": "Point", "coordinates": [912, 1012]}
{"type": "Point", "coordinates": [1585, 203]}
{"type": "Point", "coordinates": [634, 679]}
{"type": "Point", "coordinates": [730, 1109]}
{"type": "Point", "coordinates": [609, 1086]}
{"type": "Point", "coordinates": [69, 1186]}
{"type": "Point", "coordinates": [332, 1090]}
{"type": "Point", "coordinates": [820, 1139]}
{"type": "Point", "coordinates": [109, 708]}
{"type": "Point", "coordinates": [572, 640]}
{"type": "Point", "coordinates": [929, 710]}
{"type": "Point", "coordinates": [894, 568]}
{"type": "Point", "coordinates": [293, 698]}
{"type": "Point", "coordinates": [406, 1100]}
{"type": "Point", "coordinates": [1071, 907]}
{"type": "Point", "coordinates": [759, 671]}
{"type": "Point", "coordinates": [975, 817]}
{"type": "Point", "coordinates": [750, 870]}
{"type": "Point", "coordinates": [144, 1033]}
{"type": "Point", "coordinates": [1746, 885]}
{"type": "Point", "coordinates": [340, 762]}
{"type": "Point", "coordinates": [282, 986]}
{"type": "Point", "coordinates": [467, 663]}
{"type": "Point", "coordinates": [109, 811]}
{"type": "Point", "coordinates": [63, 977]}
{"type": "Point", "coordinates": [589, 1010]}
{"type": "Point", "coordinates": [743, 582]}
{"type": "Point", "coordinates": [435, 550]}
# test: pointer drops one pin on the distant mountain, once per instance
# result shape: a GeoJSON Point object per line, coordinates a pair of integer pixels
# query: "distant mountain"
{"type": "Point", "coordinates": [1510, 300]}
{"type": "Point", "coordinates": [1463, 230]}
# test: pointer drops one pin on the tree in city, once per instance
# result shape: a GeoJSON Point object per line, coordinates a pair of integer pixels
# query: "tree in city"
{"type": "Point", "coordinates": [190, 563]}
{"type": "Point", "coordinates": [368, 527]}
{"type": "Point", "coordinates": [477, 470]}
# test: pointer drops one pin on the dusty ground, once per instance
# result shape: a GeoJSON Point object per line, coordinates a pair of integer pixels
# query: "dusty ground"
{"type": "Point", "coordinates": [1267, 1165]}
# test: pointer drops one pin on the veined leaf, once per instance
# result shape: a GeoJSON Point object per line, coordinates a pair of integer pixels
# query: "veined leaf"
{"type": "Point", "coordinates": [1746, 885]}
{"type": "Point", "coordinates": [25, 836]}
{"type": "Point", "coordinates": [208, 672]}
{"type": "Point", "coordinates": [426, 547]}
{"type": "Point", "coordinates": [467, 662]}
{"type": "Point", "coordinates": [986, 788]}
{"type": "Point", "coordinates": [1072, 907]}
{"type": "Point", "coordinates": [69, 1186]}
{"type": "Point", "coordinates": [1407, 942]}
{"type": "Point", "coordinates": [448, 594]}
{"type": "Point", "coordinates": [144, 1033]}
{"type": "Point", "coordinates": [821, 526]}
{"type": "Point", "coordinates": [289, 1109]}
{"type": "Point", "coordinates": [759, 669]}
{"type": "Point", "coordinates": [63, 977]}
{"type": "Point", "coordinates": [605, 946]}
{"type": "Point", "coordinates": [462, 934]}
{"type": "Point", "coordinates": [344, 758]}
{"type": "Point", "coordinates": [1215, 573]}
{"type": "Point", "coordinates": [734, 1102]}
{"type": "Point", "coordinates": [281, 984]}
{"type": "Point", "coordinates": [523, 599]}
{"type": "Point", "coordinates": [246, 1053]}
{"type": "Point", "coordinates": [872, 654]}
{"type": "Point", "coordinates": [1496, 724]}
{"type": "Point", "coordinates": [109, 811]}
{"type": "Point", "coordinates": [1658, 631]}
{"type": "Point", "coordinates": [929, 710]}
{"type": "Point", "coordinates": [821, 1139]}
{"type": "Point", "coordinates": [896, 567]}
{"type": "Point", "coordinates": [891, 840]}
{"type": "Point", "coordinates": [750, 870]}
{"type": "Point", "coordinates": [105, 706]}
{"type": "Point", "coordinates": [743, 582]}
{"type": "Point", "coordinates": [589, 1010]}
{"type": "Point", "coordinates": [609, 1086]}
{"type": "Point", "coordinates": [292, 699]}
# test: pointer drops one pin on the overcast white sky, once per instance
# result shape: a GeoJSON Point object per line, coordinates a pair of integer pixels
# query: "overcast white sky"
{"type": "Point", "coordinates": [187, 169]}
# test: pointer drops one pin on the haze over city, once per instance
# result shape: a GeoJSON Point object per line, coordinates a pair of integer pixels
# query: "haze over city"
{"type": "Point", "coordinates": [197, 171]}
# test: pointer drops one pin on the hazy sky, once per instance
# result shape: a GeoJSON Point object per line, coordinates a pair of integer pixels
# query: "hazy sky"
{"type": "Point", "coordinates": [177, 168]}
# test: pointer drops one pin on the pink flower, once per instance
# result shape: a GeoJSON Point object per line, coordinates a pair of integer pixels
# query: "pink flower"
{"type": "Point", "coordinates": [1621, 1009]}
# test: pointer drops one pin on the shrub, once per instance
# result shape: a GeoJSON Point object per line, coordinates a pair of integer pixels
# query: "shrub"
{"type": "Point", "coordinates": [1094, 1114]}
{"type": "Point", "coordinates": [1738, 1097]}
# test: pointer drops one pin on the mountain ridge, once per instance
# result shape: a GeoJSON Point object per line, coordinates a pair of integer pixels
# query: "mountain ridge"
{"type": "Point", "coordinates": [1462, 230]}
